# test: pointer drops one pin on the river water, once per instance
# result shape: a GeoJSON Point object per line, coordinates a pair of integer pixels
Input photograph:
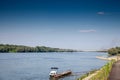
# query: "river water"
{"type": "Point", "coordinates": [36, 66]}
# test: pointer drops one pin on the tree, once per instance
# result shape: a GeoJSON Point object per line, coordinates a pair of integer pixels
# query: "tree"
{"type": "Point", "coordinates": [114, 51]}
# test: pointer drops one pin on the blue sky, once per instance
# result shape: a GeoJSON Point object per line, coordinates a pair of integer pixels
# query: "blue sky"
{"type": "Point", "coordinates": [74, 24]}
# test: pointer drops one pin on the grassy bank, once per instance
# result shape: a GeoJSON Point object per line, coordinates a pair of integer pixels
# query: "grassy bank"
{"type": "Point", "coordinates": [101, 74]}
{"type": "Point", "coordinates": [87, 74]}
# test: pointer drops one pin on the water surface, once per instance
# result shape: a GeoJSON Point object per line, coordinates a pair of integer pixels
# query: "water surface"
{"type": "Point", "coordinates": [36, 66]}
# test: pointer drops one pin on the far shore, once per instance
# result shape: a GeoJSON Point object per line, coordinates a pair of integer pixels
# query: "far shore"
{"type": "Point", "coordinates": [109, 58]}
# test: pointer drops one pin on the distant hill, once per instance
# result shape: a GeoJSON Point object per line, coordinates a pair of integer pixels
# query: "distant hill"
{"type": "Point", "coordinates": [7, 48]}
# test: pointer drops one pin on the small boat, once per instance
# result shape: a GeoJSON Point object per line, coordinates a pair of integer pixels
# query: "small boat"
{"type": "Point", "coordinates": [53, 73]}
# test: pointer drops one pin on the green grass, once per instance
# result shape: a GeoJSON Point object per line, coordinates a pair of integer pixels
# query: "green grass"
{"type": "Point", "coordinates": [87, 74]}
{"type": "Point", "coordinates": [102, 74]}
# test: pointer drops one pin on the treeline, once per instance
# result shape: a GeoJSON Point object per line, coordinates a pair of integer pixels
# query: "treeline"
{"type": "Point", "coordinates": [6, 48]}
{"type": "Point", "coordinates": [114, 51]}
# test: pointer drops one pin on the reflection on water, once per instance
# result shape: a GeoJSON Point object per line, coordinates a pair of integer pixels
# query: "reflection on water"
{"type": "Point", "coordinates": [36, 66]}
{"type": "Point", "coordinates": [52, 78]}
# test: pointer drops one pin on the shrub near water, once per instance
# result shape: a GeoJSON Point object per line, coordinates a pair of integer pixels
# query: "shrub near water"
{"type": "Point", "coordinates": [102, 74]}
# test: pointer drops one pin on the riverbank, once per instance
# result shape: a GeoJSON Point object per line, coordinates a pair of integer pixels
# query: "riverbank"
{"type": "Point", "coordinates": [88, 75]}
{"type": "Point", "coordinates": [103, 72]}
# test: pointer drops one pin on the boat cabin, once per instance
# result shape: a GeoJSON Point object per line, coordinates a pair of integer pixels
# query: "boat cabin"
{"type": "Point", "coordinates": [53, 71]}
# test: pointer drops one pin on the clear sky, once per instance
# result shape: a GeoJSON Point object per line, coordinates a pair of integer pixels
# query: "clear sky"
{"type": "Point", "coordinates": [74, 24]}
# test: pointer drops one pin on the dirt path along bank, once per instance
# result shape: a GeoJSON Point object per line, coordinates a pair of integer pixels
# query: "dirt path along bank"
{"type": "Point", "coordinates": [115, 72]}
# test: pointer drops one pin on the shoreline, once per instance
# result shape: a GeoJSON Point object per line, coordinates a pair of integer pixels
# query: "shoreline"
{"type": "Point", "coordinates": [116, 58]}
{"type": "Point", "coordinates": [91, 75]}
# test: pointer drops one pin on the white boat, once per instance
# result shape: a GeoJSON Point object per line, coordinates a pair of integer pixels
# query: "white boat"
{"type": "Point", "coordinates": [53, 71]}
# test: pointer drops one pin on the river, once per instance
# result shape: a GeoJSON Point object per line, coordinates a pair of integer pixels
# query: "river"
{"type": "Point", "coordinates": [36, 66]}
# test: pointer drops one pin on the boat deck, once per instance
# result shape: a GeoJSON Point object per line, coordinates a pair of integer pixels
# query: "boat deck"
{"type": "Point", "coordinates": [66, 73]}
